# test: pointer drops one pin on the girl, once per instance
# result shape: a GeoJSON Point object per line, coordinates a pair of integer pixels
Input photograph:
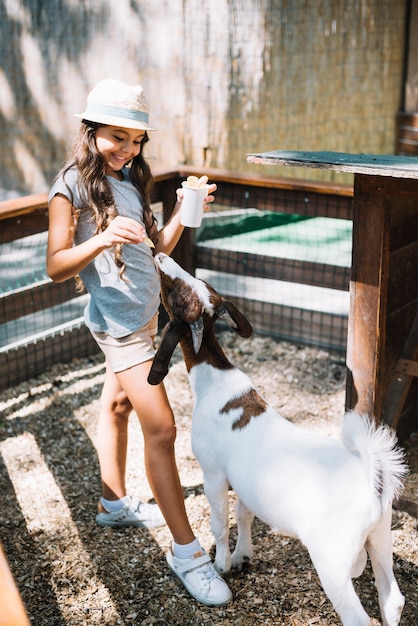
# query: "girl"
{"type": "Point", "coordinates": [101, 228]}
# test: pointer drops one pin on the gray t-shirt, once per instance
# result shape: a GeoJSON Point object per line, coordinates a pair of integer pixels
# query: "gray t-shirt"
{"type": "Point", "coordinates": [117, 307]}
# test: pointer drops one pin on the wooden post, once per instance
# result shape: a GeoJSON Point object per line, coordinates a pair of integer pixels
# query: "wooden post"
{"type": "Point", "coordinates": [382, 335]}
{"type": "Point", "coordinates": [383, 323]}
{"type": "Point", "coordinates": [368, 296]}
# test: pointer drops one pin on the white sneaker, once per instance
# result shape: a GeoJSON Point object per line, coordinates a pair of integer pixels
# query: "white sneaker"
{"type": "Point", "coordinates": [136, 513]}
{"type": "Point", "coordinates": [200, 578]}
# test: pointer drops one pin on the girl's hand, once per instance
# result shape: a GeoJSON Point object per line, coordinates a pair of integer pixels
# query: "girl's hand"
{"type": "Point", "coordinates": [122, 230]}
{"type": "Point", "coordinates": [210, 198]}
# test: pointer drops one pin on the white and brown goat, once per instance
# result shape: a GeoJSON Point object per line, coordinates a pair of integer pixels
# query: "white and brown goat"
{"type": "Point", "coordinates": [335, 495]}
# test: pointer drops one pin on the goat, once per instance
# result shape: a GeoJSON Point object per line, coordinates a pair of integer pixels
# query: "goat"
{"type": "Point", "coordinates": [333, 494]}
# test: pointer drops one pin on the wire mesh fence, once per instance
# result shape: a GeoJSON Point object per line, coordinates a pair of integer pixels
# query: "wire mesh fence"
{"type": "Point", "coordinates": [238, 77]}
{"type": "Point", "coordinates": [287, 268]}
{"type": "Point", "coordinates": [41, 323]}
{"type": "Point", "coordinates": [281, 253]}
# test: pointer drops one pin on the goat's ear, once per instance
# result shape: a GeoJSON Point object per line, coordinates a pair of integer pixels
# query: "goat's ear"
{"type": "Point", "coordinates": [173, 332]}
{"type": "Point", "coordinates": [229, 313]}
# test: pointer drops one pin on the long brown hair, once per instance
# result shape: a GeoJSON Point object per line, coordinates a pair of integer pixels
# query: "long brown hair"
{"type": "Point", "coordinates": [95, 190]}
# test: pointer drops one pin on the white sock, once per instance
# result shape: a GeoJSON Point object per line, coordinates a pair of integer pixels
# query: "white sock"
{"type": "Point", "coordinates": [187, 550]}
{"type": "Point", "coordinates": [115, 505]}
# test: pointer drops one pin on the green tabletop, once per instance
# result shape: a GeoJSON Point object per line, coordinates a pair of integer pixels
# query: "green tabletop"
{"type": "Point", "coordinates": [373, 164]}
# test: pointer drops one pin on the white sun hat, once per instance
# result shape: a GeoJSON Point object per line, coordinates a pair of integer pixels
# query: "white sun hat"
{"type": "Point", "coordinates": [117, 104]}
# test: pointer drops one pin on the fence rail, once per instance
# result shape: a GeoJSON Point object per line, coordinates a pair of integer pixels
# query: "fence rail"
{"type": "Point", "coordinates": [33, 302]}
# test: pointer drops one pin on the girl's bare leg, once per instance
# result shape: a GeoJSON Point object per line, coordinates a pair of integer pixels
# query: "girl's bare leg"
{"type": "Point", "coordinates": [112, 437]}
{"type": "Point", "coordinates": [157, 421]}
{"type": "Point", "coordinates": [185, 558]}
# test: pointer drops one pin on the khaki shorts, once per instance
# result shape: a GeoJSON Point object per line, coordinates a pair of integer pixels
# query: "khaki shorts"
{"type": "Point", "coordinates": [126, 352]}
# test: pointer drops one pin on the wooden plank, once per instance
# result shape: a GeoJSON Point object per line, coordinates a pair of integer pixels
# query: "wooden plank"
{"type": "Point", "coordinates": [398, 325]}
{"type": "Point", "coordinates": [400, 393]}
{"type": "Point", "coordinates": [371, 164]}
{"type": "Point", "coordinates": [408, 367]}
{"type": "Point", "coordinates": [308, 199]}
{"type": "Point", "coordinates": [32, 359]}
{"type": "Point", "coordinates": [266, 182]}
{"type": "Point", "coordinates": [23, 225]}
{"type": "Point", "coordinates": [299, 201]}
{"type": "Point", "coordinates": [383, 285]}
{"type": "Point", "coordinates": [276, 268]}
{"type": "Point", "coordinates": [23, 205]}
{"type": "Point", "coordinates": [404, 224]}
{"type": "Point", "coordinates": [383, 295]}
{"type": "Point", "coordinates": [367, 329]}
{"type": "Point", "coordinates": [403, 279]}
{"type": "Point", "coordinates": [407, 423]}
{"type": "Point", "coordinates": [293, 324]}
{"type": "Point", "coordinates": [35, 297]}
{"type": "Point", "coordinates": [401, 381]}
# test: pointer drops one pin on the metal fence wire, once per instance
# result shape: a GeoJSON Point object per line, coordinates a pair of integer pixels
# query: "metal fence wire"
{"type": "Point", "coordinates": [282, 255]}
{"type": "Point", "coordinates": [223, 79]}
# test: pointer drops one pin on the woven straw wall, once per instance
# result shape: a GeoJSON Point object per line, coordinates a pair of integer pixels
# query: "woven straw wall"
{"type": "Point", "coordinates": [223, 78]}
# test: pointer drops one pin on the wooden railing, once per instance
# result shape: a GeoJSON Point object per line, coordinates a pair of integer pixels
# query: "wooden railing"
{"type": "Point", "coordinates": [27, 215]}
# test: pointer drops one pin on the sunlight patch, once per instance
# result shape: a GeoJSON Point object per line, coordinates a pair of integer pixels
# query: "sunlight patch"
{"type": "Point", "coordinates": [48, 520]}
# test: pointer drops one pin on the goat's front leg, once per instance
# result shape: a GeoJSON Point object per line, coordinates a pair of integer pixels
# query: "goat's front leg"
{"type": "Point", "coordinates": [244, 549]}
{"type": "Point", "coordinates": [216, 490]}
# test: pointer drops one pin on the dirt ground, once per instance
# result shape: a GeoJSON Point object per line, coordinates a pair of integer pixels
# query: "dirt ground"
{"type": "Point", "coordinates": [70, 572]}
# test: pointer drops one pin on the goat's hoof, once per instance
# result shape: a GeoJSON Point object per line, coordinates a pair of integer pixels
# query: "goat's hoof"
{"type": "Point", "coordinates": [241, 563]}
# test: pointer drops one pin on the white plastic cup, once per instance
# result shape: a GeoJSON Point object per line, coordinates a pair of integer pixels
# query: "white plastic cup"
{"type": "Point", "coordinates": [191, 212]}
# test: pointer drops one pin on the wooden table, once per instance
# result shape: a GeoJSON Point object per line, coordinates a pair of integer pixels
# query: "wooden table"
{"type": "Point", "coordinates": [382, 344]}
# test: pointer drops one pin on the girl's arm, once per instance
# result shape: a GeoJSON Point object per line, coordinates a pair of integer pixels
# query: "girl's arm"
{"type": "Point", "coordinates": [170, 234]}
{"type": "Point", "coordinates": [64, 260]}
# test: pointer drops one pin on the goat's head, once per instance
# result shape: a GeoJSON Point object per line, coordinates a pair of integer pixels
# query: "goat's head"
{"type": "Point", "coordinates": [193, 307]}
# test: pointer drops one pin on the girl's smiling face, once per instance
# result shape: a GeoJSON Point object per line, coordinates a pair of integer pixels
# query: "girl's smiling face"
{"type": "Point", "coordinates": [118, 146]}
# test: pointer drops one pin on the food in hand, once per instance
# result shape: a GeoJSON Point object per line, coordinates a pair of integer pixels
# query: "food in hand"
{"type": "Point", "coordinates": [194, 181]}
{"type": "Point", "coordinates": [148, 242]}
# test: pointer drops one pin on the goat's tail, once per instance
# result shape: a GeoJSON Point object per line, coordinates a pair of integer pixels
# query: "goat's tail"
{"type": "Point", "coordinates": [377, 446]}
